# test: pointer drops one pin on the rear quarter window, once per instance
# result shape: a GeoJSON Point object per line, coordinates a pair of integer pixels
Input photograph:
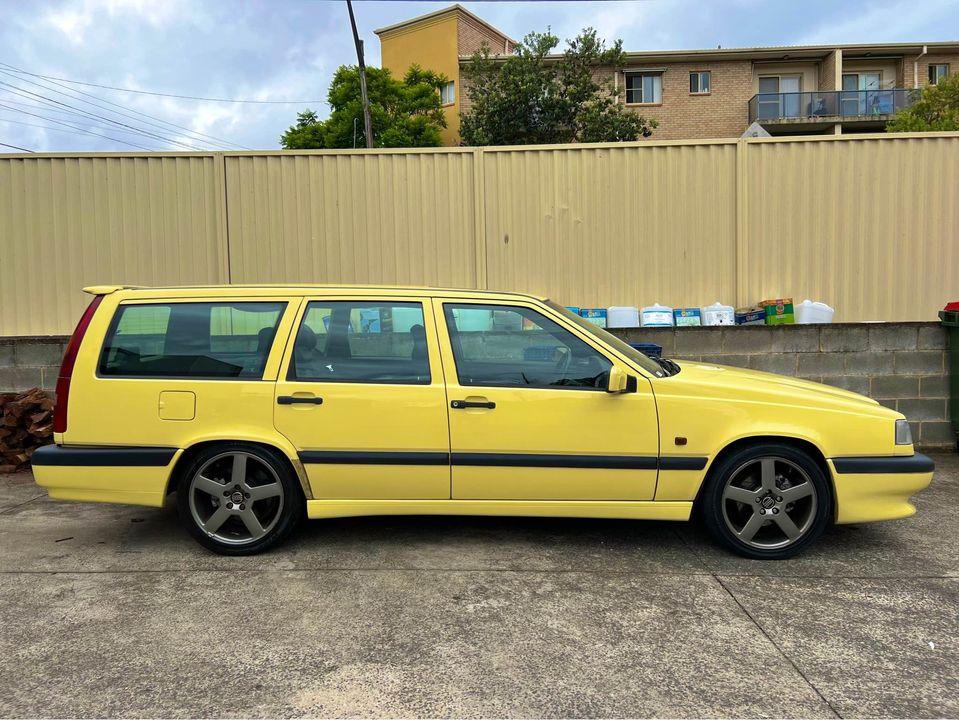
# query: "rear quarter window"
{"type": "Point", "coordinates": [216, 340]}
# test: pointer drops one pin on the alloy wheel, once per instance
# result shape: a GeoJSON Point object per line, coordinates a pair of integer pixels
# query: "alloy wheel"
{"type": "Point", "coordinates": [236, 498]}
{"type": "Point", "coordinates": [769, 503]}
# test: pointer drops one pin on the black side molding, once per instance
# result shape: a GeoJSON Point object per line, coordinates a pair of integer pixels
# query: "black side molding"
{"type": "Point", "coordinates": [86, 456]}
{"type": "Point", "coordinates": [682, 463]}
{"type": "Point", "coordinates": [603, 462]}
{"type": "Point", "coordinates": [917, 463]}
{"type": "Point", "coordinates": [347, 457]}
{"type": "Point", "coordinates": [558, 461]}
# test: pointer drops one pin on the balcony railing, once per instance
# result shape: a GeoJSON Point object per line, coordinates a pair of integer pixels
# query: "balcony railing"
{"type": "Point", "coordinates": [809, 106]}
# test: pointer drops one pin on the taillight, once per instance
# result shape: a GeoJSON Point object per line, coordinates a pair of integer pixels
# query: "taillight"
{"type": "Point", "coordinates": [66, 367]}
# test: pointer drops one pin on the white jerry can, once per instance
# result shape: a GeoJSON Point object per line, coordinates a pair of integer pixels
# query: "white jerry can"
{"type": "Point", "coordinates": [656, 315]}
{"type": "Point", "coordinates": [809, 313]}
{"type": "Point", "coordinates": [719, 314]}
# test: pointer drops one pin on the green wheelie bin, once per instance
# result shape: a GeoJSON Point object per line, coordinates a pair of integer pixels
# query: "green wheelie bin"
{"type": "Point", "coordinates": [950, 320]}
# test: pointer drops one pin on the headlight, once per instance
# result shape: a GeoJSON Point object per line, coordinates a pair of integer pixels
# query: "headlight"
{"type": "Point", "coordinates": [903, 433]}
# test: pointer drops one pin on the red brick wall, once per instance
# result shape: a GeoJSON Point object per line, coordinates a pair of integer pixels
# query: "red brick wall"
{"type": "Point", "coordinates": [924, 62]}
{"type": "Point", "coordinates": [470, 36]}
{"type": "Point", "coordinates": [827, 73]}
{"type": "Point", "coordinates": [724, 112]}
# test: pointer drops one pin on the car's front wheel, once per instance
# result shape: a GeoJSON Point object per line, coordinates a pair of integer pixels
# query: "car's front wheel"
{"type": "Point", "coordinates": [238, 499]}
{"type": "Point", "coordinates": [767, 501]}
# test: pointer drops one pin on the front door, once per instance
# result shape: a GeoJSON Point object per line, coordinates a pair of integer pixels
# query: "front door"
{"type": "Point", "coordinates": [779, 96]}
{"type": "Point", "coordinates": [860, 92]}
{"type": "Point", "coordinates": [361, 397]}
{"type": "Point", "coordinates": [529, 415]}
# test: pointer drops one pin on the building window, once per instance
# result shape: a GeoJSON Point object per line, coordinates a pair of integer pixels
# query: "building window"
{"type": "Point", "coordinates": [646, 88]}
{"type": "Point", "coordinates": [447, 93]}
{"type": "Point", "coordinates": [699, 83]}
{"type": "Point", "coordinates": [937, 73]}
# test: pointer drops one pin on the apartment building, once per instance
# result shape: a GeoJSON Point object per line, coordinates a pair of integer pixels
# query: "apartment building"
{"type": "Point", "coordinates": [695, 94]}
{"type": "Point", "coordinates": [441, 41]}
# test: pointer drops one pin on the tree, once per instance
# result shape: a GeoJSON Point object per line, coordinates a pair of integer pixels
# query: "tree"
{"type": "Point", "coordinates": [532, 97]}
{"type": "Point", "coordinates": [937, 108]}
{"type": "Point", "coordinates": [405, 113]}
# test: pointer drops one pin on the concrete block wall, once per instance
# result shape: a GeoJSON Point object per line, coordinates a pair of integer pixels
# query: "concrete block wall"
{"type": "Point", "coordinates": [28, 362]}
{"type": "Point", "coordinates": [902, 365]}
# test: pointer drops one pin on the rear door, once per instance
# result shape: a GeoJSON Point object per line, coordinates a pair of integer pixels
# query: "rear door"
{"type": "Point", "coordinates": [172, 370]}
{"type": "Point", "coordinates": [362, 398]}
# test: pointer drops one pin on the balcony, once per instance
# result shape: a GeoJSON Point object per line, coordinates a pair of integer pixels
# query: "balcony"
{"type": "Point", "coordinates": [830, 106]}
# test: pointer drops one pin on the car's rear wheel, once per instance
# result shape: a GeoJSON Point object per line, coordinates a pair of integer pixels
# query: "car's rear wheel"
{"type": "Point", "coordinates": [239, 499]}
{"type": "Point", "coordinates": [767, 501]}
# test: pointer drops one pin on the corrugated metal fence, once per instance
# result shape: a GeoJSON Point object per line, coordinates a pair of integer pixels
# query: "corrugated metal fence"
{"type": "Point", "coordinates": [867, 223]}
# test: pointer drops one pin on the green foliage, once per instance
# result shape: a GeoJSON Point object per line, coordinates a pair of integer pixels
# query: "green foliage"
{"type": "Point", "coordinates": [936, 109]}
{"type": "Point", "coordinates": [404, 114]}
{"type": "Point", "coordinates": [532, 98]}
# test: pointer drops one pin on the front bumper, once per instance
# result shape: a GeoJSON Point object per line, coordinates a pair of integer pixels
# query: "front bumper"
{"type": "Point", "coordinates": [869, 489]}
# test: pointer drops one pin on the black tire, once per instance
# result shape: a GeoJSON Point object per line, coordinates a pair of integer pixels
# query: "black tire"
{"type": "Point", "coordinates": [749, 502]}
{"type": "Point", "coordinates": [264, 472]}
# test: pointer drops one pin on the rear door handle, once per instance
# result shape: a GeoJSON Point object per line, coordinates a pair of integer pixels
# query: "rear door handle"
{"type": "Point", "coordinates": [294, 400]}
{"type": "Point", "coordinates": [463, 404]}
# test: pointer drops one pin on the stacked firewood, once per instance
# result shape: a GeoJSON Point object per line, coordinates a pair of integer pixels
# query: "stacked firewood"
{"type": "Point", "coordinates": [26, 423]}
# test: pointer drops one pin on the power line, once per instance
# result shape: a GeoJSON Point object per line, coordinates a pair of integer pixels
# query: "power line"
{"type": "Point", "coordinates": [228, 144]}
{"type": "Point", "coordinates": [70, 125]}
{"type": "Point", "coordinates": [78, 127]}
{"type": "Point", "coordinates": [78, 131]}
{"type": "Point", "coordinates": [29, 94]}
{"type": "Point", "coordinates": [5, 102]}
{"type": "Point", "coordinates": [20, 91]}
{"type": "Point", "coordinates": [171, 95]}
{"type": "Point", "coordinates": [17, 147]}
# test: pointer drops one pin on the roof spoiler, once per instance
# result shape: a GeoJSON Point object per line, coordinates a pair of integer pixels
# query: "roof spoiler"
{"type": "Point", "coordinates": [107, 289]}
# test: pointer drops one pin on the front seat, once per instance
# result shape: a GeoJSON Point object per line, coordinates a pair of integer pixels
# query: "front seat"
{"type": "Point", "coordinates": [304, 352]}
{"type": "Point", "coordinates": [418, 336]}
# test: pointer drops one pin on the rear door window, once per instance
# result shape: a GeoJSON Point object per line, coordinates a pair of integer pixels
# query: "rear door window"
{"type": "Point", "coordinates": [214, 340]}
{"type": "Point", "coordinates": [361, 342]}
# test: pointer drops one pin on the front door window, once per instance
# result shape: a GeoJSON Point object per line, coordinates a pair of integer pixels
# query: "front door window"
{"type": "Point", "coordinates": [501, 346]}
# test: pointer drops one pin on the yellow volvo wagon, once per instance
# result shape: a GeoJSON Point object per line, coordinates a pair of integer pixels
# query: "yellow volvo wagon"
{"type": "Point", "coordinates": [261, 405]}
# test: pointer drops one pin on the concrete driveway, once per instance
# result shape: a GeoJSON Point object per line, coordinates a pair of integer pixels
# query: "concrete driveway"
{"type": "Point", "coordinates": [114, 611]}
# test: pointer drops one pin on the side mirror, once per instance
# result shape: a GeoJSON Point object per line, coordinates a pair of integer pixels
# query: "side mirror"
{"type": "Point", "coordinates": [620, 381]}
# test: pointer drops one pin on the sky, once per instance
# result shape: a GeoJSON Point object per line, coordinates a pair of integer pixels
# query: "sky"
{"type": "Point", "coordinates": [287, 50]}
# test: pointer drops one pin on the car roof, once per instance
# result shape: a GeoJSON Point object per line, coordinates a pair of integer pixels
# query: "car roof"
{"type": "Point", "coordinates": [300, 289]}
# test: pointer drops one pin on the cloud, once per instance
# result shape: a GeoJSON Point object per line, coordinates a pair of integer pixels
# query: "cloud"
{"type": "Point", "coordinates": [289, 49]}
{"type": "Point", "coordinates": [900, 20]}
{"type": "Point", "coordinates": [73, 19]}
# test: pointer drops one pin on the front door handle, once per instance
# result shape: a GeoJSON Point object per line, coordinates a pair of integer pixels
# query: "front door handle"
{"type": "Point", "coordinates": [294, 400]}
{"type": "Point", "coordinates": [463, 404]}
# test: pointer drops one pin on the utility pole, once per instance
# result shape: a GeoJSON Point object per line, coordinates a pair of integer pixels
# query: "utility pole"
{"type": "Point", "coordinates": [367, 123]}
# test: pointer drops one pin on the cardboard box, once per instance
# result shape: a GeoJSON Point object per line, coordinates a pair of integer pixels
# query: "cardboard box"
{"type": "Point", "coordinates": [597, 316]}
{"type": "Point", "coordinates": [688, 317]}
{"type": "Point", "coordinates": [750, 316]}
{"type": "Point", "coordinates": [779, 311]}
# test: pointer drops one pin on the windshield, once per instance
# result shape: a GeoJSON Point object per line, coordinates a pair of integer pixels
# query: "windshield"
{"type": "Point", "coordinates": [632, 353]}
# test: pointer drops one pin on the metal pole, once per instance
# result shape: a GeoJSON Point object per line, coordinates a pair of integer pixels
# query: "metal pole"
{"type": "Point", "coordinates": [367, 122]}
